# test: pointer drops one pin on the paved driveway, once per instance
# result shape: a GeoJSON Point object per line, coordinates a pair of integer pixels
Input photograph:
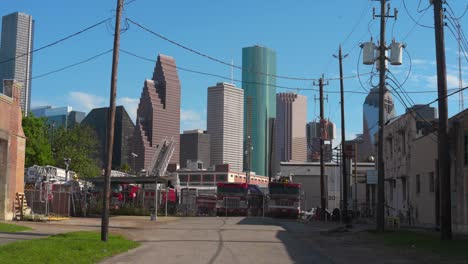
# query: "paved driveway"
{"type": "Point", "coordinates": [219, 240]}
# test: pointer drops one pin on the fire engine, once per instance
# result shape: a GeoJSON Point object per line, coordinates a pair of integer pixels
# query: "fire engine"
{"type": "Point", "coordinates": [238, 199]}
{"type": "Point", "coordinates": [284, 198]}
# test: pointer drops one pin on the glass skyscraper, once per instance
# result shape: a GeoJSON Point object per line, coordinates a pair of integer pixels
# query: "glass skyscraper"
{"type": "Point", "coordinates": [15, 54]}
{"type": "Point", "coordinates": [258, 82]}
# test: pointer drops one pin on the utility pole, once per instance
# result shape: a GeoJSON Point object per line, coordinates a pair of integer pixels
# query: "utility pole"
{"type": "Point", "coordinates": [110, 124]}
{"type": "Point", "coordinates": [343, 142]}
{"type": "Point", "coordinates": [443, 142]}
{"type": "Point", "coordinates": [323, 201]}
{"type": "Point", "coordinates": [272, 147]}
{"type": "Point", "coordinates": [380, 161]}
{"type": "Point", "coordinates": [248, 153]}
{"type": "Point", "coordinates": [355, 178]}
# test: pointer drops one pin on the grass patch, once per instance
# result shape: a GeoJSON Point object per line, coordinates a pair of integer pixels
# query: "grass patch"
{"type": "Point", "coordinates": [75, 247]}
{"type": "Point", "coordinates": [12, 228]}
{"type": "Point", "coordinates": [425, 241]}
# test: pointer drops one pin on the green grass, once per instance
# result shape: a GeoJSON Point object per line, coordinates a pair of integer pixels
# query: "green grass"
{"type": "Point", "coordinates": [426, 241]}
{"type": "Point", "coordinates": [12, 228]}
{"type": "Point", "coordinates": [75, 247]}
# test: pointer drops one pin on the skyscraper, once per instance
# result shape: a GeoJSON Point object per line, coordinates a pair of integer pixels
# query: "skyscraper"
{"type": "Point", "coordinates": [365, 143]}
{"type": "Point", "coordinates": [123, 133]}
{"type": "Point", "coordinates": [313, 140]}
{"type": "Point", "coordinates": [291, 120]}
{"type": "Point", "coordinates": [225, 124]}
{"type": "Point", "coordinates": [15, 54]}
{"type": "Point", "coordinates": [258, 79]}
{"type": "Point", "coordinates": [158, 114]}
{"type": "Point", "coordinates": [59, 116]}
{"type": "Point", "coordinates": [195, 146]}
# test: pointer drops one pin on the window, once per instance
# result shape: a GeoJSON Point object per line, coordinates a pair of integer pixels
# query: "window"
{"type": "Point", "coordinates": [431, 182]}
{"type": "Point", "coordinates": [390, 147]}
{"type": "Point", "coordinates": [221, 178]}
{"type": "Point", "coordinates": [195, 178]}
{"type": "Point", "coordinates": [466, 149]}
{"type": "Point", "coordinates": [418, 183]}
{"type": "Point", "coordinates": [403, 142]}
{"type": "Point", "coordinates": [183, 178]}
{"type": "Point", "coordinates": [391, 190]}
{"type": "Point", "coordinates": [208, 178]}
{"type": "Point", "coordinates": [403, 188]}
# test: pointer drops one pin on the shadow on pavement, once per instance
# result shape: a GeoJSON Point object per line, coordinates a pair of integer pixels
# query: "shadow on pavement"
{"type": "Point", "coordinates": [299, 250]}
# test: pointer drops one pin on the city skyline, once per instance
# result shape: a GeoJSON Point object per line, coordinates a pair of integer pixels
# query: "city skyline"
{"type": "Point", "coordinates": [92, 92]}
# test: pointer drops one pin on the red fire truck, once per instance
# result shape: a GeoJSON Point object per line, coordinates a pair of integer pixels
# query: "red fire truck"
{"type": "Point", "coordinates": [238, 199]}
{"type": "Point", "coordinates": [284, 198]}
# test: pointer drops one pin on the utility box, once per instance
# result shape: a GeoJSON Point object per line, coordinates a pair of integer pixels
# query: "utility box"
{"type": "Point", "coordinates": [396, 53]}
{"type": "Point", "coordinates": [368, 53]}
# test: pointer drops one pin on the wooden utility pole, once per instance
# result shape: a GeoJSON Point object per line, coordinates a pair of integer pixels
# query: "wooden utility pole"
{"type": "Point", "coordinates": [355, 179]}
{"type": "Point", "coordinates": [110, 124]}
{"type": "Point", "coordinates": [323, 201]}
{"type": "Point", "coordinates": [443, 142]}
{"type": "Point", "coordinates": [380, 162]}
{"type": "Point", "coordinates": [343, 143]}
{"type": "Point", "coordinates": [272, 127]}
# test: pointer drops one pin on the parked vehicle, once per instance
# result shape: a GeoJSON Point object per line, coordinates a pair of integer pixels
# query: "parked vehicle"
{"type": "Point", "coordinates": [284, 198]}
{"type": "Point", "coordinates": [238, 199]}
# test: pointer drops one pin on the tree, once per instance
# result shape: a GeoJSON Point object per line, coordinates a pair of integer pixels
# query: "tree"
{"type": "Point", "coordinates": [125, 168]}
{"type": "Point", "coordinates": [80, 144]}
{"type": "Point", "coordinates": [38, 148]}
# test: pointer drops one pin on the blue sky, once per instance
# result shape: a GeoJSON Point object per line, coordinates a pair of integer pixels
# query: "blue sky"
{"type": "Point", "coordinates": [304, 34]}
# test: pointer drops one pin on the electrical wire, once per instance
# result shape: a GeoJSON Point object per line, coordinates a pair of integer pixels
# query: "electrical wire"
{"type": "Point", "coordinates": [462, 15]}
{"type": "Point", "coordinates": [71, 65]}
{"type": "Point", "coordinates": [235, 80]}
{"type": "Point", "coordinates": [415, 25]}
{"type": "Point", "coordinates": [57, 41]}
{"type": "Point", "coordinates": [227, 63]}
{"type": "Point", "coordinates": [422, 10]}
{"type": "Point", "coordinates": [412, 18]}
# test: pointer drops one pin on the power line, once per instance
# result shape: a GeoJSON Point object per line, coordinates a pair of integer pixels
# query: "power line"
{"type": "Point", "coordinates": [277, 86]}
{"type": "Point", "coordinates": [462, 15]}
{"type": "Point", "coordinates": [228, 63]}
{"type": "Point", "coordinates": [412, 18]}
{"type": "Point", "coordinates": [73, 65]}
{"type": "Point", "coordinates": [235, 80]}
{"type": "Point", "coordinates": [57, 41]}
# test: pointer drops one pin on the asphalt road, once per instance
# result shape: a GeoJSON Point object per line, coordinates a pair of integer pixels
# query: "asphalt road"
{"type": "Point", "coordinates": [220, 240]}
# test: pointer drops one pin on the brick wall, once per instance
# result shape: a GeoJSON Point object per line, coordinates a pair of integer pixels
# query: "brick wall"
{"type": "Point", "coordinates": [12, 149]}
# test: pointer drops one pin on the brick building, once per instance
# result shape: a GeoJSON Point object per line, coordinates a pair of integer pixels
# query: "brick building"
{"type": "Point", "coordinates": [158, 114]}
{"type": "Point", "coordinates": [12, 148]}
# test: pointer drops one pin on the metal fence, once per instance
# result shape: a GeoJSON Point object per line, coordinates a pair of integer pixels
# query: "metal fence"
{"type": "Point", "coordinates": [54, 202]}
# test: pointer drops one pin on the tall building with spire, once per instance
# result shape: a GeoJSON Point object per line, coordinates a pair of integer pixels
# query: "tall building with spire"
{"type": "Point", "coordinates": [259, 84]}
{"type": "Point", "coordinates": [15, 54]}
{"type": "Point", "coordinates": [158, 114]}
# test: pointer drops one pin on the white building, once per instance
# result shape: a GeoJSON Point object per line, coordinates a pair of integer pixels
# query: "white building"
{"type": "Point", "coordinates": [17, 39]}
{"type": "Point", "coordinates": [361, 189]}
{"type": "Point", "coordinates": [225, 124]}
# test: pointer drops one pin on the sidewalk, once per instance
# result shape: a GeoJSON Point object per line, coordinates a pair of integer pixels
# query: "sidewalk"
{"type": "Point", "coordinates": [122, 225]}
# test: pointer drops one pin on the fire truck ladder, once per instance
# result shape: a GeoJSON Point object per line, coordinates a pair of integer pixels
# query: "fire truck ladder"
{"type": "Point", "coordinates": [162, 157]}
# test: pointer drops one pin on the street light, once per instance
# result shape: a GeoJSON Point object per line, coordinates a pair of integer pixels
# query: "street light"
{"type": "Point", "coordinates": [67, 164]}
{"type": "Point", "coordinates": [134, 155]}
